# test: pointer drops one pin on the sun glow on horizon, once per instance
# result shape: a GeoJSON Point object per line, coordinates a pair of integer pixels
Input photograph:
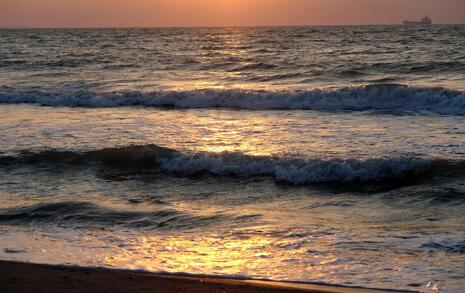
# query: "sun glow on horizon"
{"type": "Point", "coordinates": [150, 13]}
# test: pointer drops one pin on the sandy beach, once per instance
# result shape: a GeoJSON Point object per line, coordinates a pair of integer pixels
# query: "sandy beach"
{"type": "Point", "coordinates": [25, 277]}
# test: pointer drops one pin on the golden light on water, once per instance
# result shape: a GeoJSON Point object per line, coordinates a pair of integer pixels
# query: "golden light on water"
{"type": "Point", "coordinates": [204, 255]}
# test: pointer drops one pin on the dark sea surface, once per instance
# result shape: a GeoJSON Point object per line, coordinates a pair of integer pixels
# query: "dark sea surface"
{"type": "Point", "coordinates": [313, 154]}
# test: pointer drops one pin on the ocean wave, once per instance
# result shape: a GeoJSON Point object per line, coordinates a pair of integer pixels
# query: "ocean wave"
{"type": "Point", "coordinates": [446, 246]}
{"type": "Point", "coordinates": [436, 67]}
{"type": "Point", "coordinates": [86, 215]}
{"type": "Point", "coordinates": [378, 97]}
{"type": "Point", "coordinates": [379, 172]}
{"type": "Point", "coordinates": [273, 77]}
{"type": "Point", "coordinates": [253, 66]}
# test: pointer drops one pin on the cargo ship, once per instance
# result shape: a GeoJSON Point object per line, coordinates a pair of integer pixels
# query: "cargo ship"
{"type": "Point", "coordinates": [425, 21]}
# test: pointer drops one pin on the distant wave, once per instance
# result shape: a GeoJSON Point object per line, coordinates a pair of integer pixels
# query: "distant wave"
{"type": "Point", "coordinates": [253, 66]}
{"type": "Point", "coordinates": [381, 172]}
{"type": "Point", "coordinates": [394, 98]}
{"type": "Point", "coordinates": [447, 246]}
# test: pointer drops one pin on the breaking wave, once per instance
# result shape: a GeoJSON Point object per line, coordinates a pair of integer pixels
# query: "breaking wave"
{"type": "Point", "coordinates": [386, 172]}
{"type": "Point", "coordinates": [393, 98]}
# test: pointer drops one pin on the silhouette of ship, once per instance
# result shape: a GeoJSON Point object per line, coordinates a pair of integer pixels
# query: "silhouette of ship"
{"type": "Point", "coordinates": [425, 21]}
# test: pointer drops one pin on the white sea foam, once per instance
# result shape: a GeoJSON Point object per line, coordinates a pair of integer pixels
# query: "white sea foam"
{"type": "Point", "coordinates": [380, 97]}
{"type": "Point", "coordinates": [297, 172]}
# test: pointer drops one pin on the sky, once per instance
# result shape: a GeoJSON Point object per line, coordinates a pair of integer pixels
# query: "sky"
{"type": "Point", "coordinates": [161, 13]}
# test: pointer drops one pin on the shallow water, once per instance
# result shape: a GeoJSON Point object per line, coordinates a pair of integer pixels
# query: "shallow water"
{"type": "Point", "coordinates": [309, 154]}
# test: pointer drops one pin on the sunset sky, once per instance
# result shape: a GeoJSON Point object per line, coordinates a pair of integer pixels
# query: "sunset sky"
{"type": "Point", "coordinates": [155, 13]}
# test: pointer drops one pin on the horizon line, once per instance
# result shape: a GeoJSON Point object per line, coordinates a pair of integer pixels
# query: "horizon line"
{"type": "Point", "coordinates": [19, 27]}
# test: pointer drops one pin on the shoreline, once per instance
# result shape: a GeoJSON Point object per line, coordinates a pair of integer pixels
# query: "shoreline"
{"type": "Point", "coordinates": [28, 277]}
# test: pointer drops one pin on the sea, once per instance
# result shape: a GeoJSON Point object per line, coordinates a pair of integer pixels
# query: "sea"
{"type": "Point", "coordinates": [330, 155]}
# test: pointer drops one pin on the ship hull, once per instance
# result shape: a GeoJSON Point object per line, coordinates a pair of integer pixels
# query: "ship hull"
{"type": "Point", "coordinates": [416, 23]}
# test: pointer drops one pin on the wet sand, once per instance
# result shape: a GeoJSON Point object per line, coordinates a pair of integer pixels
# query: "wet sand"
{"type": "Point", "coordinates": [24, 277]}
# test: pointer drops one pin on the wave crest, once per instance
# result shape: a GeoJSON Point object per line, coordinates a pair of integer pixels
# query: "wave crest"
{"type": "Point", "coordinates": [378, 97]}
{"type": "Point", "coordinates": [153, 158]}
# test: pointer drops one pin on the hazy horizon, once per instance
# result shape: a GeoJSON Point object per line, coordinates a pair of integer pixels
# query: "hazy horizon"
{"type": "Point", "coordinates": [213, 26]}
{"type": "Point", "coordinates": [223, 13]}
